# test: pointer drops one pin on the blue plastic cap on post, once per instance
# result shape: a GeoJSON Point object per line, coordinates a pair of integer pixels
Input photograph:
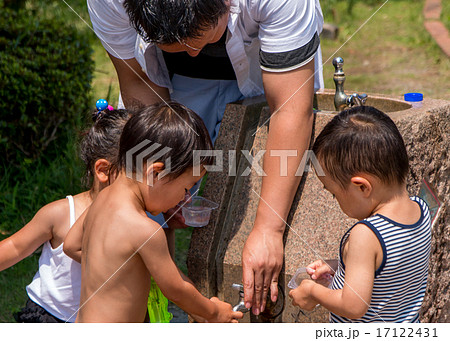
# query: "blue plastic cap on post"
{"type": "Point", "coordinates": [413, 97]}
{"type": "Point", "coordinates": [101, 104]}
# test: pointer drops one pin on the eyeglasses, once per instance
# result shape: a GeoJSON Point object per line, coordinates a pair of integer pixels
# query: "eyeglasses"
{"type": "Point", "coordinates": [189, 46]}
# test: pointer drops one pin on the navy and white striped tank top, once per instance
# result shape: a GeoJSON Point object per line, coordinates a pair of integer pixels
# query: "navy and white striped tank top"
{"type": "Point", "coordinates": [400, 281]}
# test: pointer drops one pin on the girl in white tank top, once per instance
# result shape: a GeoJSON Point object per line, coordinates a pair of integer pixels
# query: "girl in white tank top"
{"type": "Point", "coordinates": [54, 293]}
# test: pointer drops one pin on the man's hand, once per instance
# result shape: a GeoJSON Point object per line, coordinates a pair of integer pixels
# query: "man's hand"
{"type": "Point", "coordinates": [262, 260]}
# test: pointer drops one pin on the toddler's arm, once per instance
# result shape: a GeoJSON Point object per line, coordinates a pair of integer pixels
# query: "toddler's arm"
{"type": "Point", "coordinates": [353, 300]}
{"type": "Point", "coordinates": [74, 238]}
{"type": "Point", "coordinates": [154, 252]}
{"type": "Point", "coordinates": [25, 241]}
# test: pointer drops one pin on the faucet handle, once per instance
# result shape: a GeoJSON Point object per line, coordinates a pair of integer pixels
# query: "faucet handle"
{"type": "Point", "coordinates": [241, 304]}
{"type": "Point", "coordinates": [363, 98]}
{"type": "Point", "coordinates": [356, 99]}
{"type": "Point", "coordinates": [238, 287]}
{"type": "Point", "coordinates": [338, 63]}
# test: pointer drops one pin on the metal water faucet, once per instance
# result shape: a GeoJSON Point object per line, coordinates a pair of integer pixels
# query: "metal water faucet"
{"type": "Point", "coordinates": [241, 305]}
{"type": "Point", "coordinates": [272, 309]}
{"type": "Point", "coordinates": [341, 100]}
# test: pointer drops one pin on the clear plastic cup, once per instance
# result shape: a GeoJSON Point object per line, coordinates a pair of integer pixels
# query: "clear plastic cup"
{"type": "Point", "coordinates": [298, 277]}
{"type": "Point", "coordinates": [197, 211]}
{"type": "Point", "coordinates": [301, 274]}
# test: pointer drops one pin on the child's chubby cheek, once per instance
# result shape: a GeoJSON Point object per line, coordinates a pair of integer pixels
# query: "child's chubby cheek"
{"type": "Point", "coordinates": [301, 296]}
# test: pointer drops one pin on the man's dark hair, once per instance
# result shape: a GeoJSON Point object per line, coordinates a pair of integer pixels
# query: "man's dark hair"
{"type": "Point", "coordinates": [362, 140]}
{"type": "Point", "coordinates": [172, 21]}
{"type": "Point", "coordinates": [170, 125]}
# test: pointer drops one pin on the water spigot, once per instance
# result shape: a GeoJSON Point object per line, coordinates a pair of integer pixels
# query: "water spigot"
{"type": "Point", "coordinates": [272, 310]}
{"type": "Point", "coordinates": [241, 305]}
{"type": "Point", "coordinates": [341, 100]}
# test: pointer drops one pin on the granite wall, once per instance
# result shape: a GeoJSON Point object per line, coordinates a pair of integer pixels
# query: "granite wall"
{"type": "Point", "coordinates": [315, 223]}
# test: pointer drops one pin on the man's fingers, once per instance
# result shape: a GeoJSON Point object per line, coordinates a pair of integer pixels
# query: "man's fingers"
{"type": "Point", "coordinates": [257, 299]}
{"type": "Point", "coordinates": [266, 288]}
{"type": "Point", "coordinates": [248, 281]}
{"type": "Point", "coordinates": [274, 289]}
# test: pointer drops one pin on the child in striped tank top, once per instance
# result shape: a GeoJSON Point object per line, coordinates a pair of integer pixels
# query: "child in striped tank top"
{"type": "Point", "coordinates": [381, 274]}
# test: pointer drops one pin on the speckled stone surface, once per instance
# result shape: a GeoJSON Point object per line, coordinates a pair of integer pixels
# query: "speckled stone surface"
{"type": "Point", "coordinates": [315, 223]}
{"type": "Point", "coordinates": [239, 119]}
{"type": "Point", "coordinates": [427, 139]}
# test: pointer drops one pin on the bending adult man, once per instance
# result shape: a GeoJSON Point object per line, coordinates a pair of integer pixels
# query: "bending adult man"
{"type": "Point", "coordinates": [242, 49]}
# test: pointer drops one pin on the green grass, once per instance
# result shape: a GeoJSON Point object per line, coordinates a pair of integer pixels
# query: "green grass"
{"type": "Point", "coordinates": [41, 182]}
{"type": "Point", "coordinates": [445, 14]}
{"type": "Point", "coordinates": [391, 54]}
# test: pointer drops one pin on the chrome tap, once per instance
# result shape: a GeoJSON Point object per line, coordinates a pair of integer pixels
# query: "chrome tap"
{"type": "Point", "coordinates": [241, 305]}
{"type": "Point", "coordinates": [272, 310]}
{"type": "Point", "coordinates": [341, 100]}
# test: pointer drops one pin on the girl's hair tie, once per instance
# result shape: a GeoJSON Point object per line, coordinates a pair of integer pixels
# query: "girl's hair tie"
{"type": "Point", "coordinates": [101, 105]}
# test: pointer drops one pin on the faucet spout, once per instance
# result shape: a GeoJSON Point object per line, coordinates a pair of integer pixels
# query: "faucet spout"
{"type": "Point", "coordinates": [340, 98]}
{"type": "Point", "coordinates": [241, 304]}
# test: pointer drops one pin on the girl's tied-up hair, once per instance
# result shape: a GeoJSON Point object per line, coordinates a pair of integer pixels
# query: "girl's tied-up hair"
{"type": "Point", "coordinates": [101, 141]}
{"type": "Point", "coordinates": [101, 105]}
{"type": "Point", "coordinates": [171, 21]}
{"type": "Point", "coordinates": [171, 127]}
{"type": "Point", "coordinates": [362, 140]}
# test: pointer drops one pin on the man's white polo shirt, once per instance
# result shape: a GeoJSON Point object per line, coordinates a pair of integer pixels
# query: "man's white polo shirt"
{"type": "Point", "coordinates": [256, 29]}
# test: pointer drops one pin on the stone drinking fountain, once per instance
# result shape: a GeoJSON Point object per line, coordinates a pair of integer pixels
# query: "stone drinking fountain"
{"type": "Point", "coordinates": [315, 223]}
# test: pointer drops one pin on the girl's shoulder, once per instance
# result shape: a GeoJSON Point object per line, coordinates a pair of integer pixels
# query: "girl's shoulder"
{"type": "Point", "coordinates": [55, 213]}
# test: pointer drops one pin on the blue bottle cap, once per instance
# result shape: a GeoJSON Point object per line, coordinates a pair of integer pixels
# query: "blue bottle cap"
{"type": "Point", "coordinates": [413, 97]}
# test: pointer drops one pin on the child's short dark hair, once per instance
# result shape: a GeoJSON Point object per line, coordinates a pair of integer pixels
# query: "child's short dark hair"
{"type": "Point", "coordinates": [101, 141]}
{"type": "Point", "coordinates": [362, 139]}
{"type": "Point", "coordinates": [165, 125]}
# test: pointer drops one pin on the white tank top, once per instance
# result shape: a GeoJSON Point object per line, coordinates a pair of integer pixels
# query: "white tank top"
{"type": "Point", "coordinates": [57, 284]}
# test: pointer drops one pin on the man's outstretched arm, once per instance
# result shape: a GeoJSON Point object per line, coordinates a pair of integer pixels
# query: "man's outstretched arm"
{"type": "Point", "coordinates": [136, 89]}
{"type": "Point", "coordinates": [289, 130]}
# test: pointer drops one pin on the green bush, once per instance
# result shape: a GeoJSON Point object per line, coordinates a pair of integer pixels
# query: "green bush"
{"type": "Point", "coordinates": [45, 75]}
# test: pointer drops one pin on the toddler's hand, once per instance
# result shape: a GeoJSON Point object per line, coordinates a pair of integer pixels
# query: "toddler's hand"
{"type": "Point", "coordinates": [225, 312]}
{"type": "Point", "coordinates": [301, 296]}
{"type": "Point", "coordinates": [174, 217]}
{"type": "Point", "coordinates": [319, 269]}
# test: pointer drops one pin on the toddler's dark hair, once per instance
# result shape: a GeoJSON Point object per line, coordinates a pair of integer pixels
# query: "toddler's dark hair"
{"type": "Point", "coordinates": [101, 141]}
{"type": "Point", "coordinates": [172, 21]}
{"type": "Point", "coordinates": [170, 125]}
{"type": "Point", "coordinates": [362, 139]}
